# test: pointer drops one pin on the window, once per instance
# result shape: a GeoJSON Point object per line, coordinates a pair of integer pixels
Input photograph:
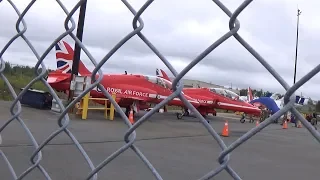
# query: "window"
{"type": "Point", "coordinates": [219, 91]}
{"type": "Point", "coordinates": [226, 93]}
{"type": "Point", "coordinates": [159, 81]}
{"type": "Point", "coordinates": [213, 90]}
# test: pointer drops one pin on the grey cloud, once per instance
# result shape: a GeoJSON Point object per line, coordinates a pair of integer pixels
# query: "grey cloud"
{"type": "Point", "coordinates": [266, 26]}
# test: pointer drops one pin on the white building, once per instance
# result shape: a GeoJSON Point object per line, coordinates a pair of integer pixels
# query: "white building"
{"type": "Point", "coordinates": [197, 83]}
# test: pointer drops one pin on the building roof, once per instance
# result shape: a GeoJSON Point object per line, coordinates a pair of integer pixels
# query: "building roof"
{"type": "Point", "coordinates": [197, 83]}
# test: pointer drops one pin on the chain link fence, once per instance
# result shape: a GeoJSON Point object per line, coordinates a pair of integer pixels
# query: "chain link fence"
{"type": "Point", "coordinates": [130, 135]}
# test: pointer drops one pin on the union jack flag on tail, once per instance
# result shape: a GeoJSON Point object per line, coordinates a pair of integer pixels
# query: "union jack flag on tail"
{"type": "Point", "coordinates": [64, 57]}
{"type": "Point", "coordinates": [249, 94]}
{"type": "Point", "coordinates": [162, 74]}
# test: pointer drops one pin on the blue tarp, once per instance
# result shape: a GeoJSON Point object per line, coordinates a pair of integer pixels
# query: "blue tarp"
{"type": "Point", "coordinates": [37, 99]}
{"type": "Point", "coordinates": [268, 102]}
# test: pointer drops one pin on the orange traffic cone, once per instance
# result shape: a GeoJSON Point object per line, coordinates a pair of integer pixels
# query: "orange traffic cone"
{"type": "Point", "coordinates": [225, 130]}
{"type": "Point", "coordinates": [257, 123]}
{"type": "Point", "coordinates": [285, 125]}
{"type": "Point", "coordinates": [131, 117]}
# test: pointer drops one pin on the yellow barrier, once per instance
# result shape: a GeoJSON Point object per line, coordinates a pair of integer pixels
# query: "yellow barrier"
{"type": "Point", "coordinates": [83, 106]}
{"type": "Point", "coordinates": [238, 113]}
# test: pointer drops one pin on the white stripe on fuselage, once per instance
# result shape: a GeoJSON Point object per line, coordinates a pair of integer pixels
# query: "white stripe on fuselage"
{"type": "Point", "coordinates": [176, 99]}
{"type": "Point", "coordinates": [235, 105]}
{"type": "Point", "coordinates": [219, 103]}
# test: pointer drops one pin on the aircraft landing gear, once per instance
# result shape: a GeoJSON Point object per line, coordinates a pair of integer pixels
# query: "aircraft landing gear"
{"type": "Point", "coordinates": [242, 119]}
{"type": "Point", "coordinates": [128, 109]}
{"type": "Point", "coordinates": [186, 113]}
{"type": "Point", "coordinates": [179, 115]}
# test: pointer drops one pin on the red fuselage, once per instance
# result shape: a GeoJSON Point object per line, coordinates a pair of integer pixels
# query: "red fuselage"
{"type": "Point", "coordinates": [222, 102]}
{"type": "Point", "coordinates": [128, 89]}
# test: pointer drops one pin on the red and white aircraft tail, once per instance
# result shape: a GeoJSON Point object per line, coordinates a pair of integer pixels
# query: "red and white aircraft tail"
{"type": "Point", "coordinates": [160, 73]}
{"type": "Point", "coordinates": [64, 58]}
{"type": "Point", "coordinates": [249, 94]}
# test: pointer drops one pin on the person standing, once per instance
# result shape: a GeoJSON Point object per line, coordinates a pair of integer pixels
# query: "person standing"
{"type": "Point", "coordinates": [294, 120]}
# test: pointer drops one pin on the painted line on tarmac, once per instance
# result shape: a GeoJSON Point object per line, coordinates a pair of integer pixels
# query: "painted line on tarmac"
{"type": "Point", "coordinates": [107, 141]}
{"type": "Point", "coordinates": [229, 117]}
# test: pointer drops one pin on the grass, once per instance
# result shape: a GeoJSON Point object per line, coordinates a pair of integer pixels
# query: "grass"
{"type": "Point", "coordinates": [17, 82]}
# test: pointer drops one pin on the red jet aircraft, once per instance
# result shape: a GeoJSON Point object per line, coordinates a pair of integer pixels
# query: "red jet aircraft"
{"type": "Point", "coordinates": [206, 102]}
{"type": "Point", "coordinates": [221, 98]}
{"type": "Point", "coordinates": [136, 90]}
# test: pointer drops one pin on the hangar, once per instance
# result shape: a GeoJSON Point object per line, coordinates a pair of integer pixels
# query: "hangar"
{"type": "Point", "coordinates": [197, 83]}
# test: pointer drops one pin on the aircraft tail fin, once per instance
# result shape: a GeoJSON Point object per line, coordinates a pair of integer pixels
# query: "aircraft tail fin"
{"type": "Point", "coordinates": [250, 96]}
{"type": "Point", "coordinates": [162, 74]}
{"type": "Point", "coordinates": [64, 58]}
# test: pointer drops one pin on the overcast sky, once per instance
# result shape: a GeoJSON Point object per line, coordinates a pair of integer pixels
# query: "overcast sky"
{"type": "Point", "coordinates": [181, 30]}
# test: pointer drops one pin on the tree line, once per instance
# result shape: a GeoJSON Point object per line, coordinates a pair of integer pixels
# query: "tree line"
{"type": "Point", "coordinates": [19, 76]}
{"type": "Point", "coordinates": [20, 70]}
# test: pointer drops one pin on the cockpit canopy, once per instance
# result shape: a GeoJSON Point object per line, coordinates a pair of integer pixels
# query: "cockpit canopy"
{"type": "Point", "coordinates": [159, 81]}
{"type": "Point", "coordinates": [168, 85]}
{"type": "Point", "coordinates": [226, 93]}
{"type": "Point", "coordinates": [276, 96]}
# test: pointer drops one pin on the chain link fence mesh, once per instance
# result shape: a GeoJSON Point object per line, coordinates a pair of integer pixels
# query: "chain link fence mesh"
{"type": "Point", "coordinates": [130, 135]}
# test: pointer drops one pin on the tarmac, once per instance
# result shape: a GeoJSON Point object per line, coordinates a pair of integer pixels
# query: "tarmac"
{"type": "Point", "coordinates": [178, 149]}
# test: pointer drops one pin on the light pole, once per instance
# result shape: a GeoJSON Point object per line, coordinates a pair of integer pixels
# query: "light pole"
{"type": "Point", "coordinates": [295, 62]}
{"type": "Point", "coordinates": [296, 57]}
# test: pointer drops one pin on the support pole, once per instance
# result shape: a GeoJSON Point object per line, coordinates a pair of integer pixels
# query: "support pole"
{"type": "Point", "coordinates": [77, 50]}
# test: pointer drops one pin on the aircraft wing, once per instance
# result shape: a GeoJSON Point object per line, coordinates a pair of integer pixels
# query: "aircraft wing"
{"type": "Point", "coordinates": [56, 77]}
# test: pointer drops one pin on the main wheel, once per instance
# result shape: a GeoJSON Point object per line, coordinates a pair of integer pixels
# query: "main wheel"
{"type": "Point", "coordinates": [242, 120]}
{"type": "Point", "coordinates": [186, 112]}
{"type": "Point", "coordinates": [179, 115]}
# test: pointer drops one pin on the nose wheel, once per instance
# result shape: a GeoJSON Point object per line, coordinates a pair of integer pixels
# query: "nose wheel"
{"type": "Point", "coordinates": [179, 115]}
{"type": "Point", "coordinates": [242, 119]}
{"type": "Point", "coordinates": [186, 113]}
{"type": "Point", "coordinates": [128, 109]}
